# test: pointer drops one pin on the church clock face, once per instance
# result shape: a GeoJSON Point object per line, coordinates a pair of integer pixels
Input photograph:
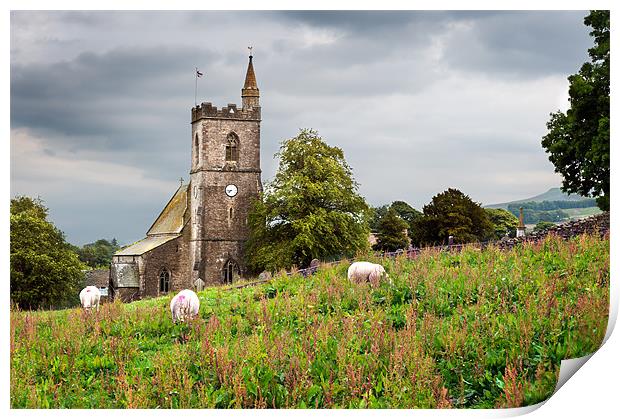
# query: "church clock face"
{"type": "Point", "coordinates": [231, 190]}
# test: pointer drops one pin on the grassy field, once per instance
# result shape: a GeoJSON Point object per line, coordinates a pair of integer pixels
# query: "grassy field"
{"type": "Point", "coordinates": [477, 329]}
{"type": "Point", "coordinates": [574, 213]}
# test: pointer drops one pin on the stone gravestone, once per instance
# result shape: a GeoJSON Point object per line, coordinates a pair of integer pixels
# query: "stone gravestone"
{"type": "Point", "coordinates": [314, 266]}
{"type": "Point", "coordinates": [264, 276]}
{"type": "Point", "coordinates": [199, 284]}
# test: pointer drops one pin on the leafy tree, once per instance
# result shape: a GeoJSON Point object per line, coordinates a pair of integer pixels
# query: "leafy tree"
{"type": "Point", "coordinates": [376, 213]}
{"type": "Point", "coordinates": [406, 211]}
{"type": "Point", "coordinates": [543, 225]}
{"type": "Point", "coordinates": [99, 253]}
{"type": "Point", "coordinates": [410, 215]}
{"type": "Point", "coordinates": [578, 140]}
{"type": "Point", "coordinates": [403, 209]}
{"type": "Point", "coordinates": [391, 234]}
{"type": "Point", "coordinates": [310, 210]}
{"type": "Point", "coordinates": [452, 213]}
{"type": "Point", "coordinates": [503, 222]}
{"type": "Point", "coordinates": [21, 204]}
{"type": "Point", "coordinates": [45, 271]}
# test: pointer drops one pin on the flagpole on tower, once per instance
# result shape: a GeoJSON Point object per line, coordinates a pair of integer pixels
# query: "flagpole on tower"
{"type": "Point", "coordinates": [197, 75]}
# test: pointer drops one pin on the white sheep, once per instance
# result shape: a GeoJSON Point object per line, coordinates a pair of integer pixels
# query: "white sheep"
{"type": "Point", "coordinates": [89, 297]}
{"type": "Point", "coordinates": [367, 271]}
{"type": "Point", "coordinates": [184, 305]}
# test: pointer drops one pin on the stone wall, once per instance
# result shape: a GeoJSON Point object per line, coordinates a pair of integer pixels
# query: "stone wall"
{"type": "Point", "coordinates": [597, 224]}
{"type": "Point", "coordinates": [126, 295]}
{"type": "Point", "coordinates": [219, 222]}
{"type": "Point", "coordinates": [207, 110]}
{"type": "Point", "coordinates": [217, 253]}
{"type": "Point", "coordinates": [213, 137]}
{"type": "Point", "coordinates": [173, 256]}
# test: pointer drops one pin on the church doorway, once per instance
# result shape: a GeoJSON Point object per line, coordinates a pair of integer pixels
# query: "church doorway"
{"type": "Point", "coordinates": [230, 272]}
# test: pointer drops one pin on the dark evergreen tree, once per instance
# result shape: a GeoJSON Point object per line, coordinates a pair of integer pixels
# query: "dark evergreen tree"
{"type": "Point", "coordinates": [452, 213]}
{"type": "Point", "coordinates": [392, 232]}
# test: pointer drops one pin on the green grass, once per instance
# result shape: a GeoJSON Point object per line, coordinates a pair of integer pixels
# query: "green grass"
{"type": "Point", "coordinates": [582, 212]}
{"type": "Point", "coordinates": [477, 329]}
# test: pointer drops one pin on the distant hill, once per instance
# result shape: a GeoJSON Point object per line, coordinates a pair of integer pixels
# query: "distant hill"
{"type": "Point", "coordinates": [553, 194]}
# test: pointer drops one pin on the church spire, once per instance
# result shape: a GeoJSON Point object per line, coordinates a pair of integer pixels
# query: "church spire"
{"type": "Point", "coordinates": [249, 93]}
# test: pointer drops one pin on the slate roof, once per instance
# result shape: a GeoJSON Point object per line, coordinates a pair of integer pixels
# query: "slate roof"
{"type": "Point", "coordinates": [170, 221]}
{"type": "Point", "coordinates": [97, 277]}
{"type": "Point", "coordinates": [145, 245]}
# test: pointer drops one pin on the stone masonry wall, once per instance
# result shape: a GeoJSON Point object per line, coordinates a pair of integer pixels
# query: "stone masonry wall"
{"type": "Point", "coordinates": [127, 295]}
{"type": "Point", "coordinates": [174, 256]}
{"type": "Point", "coordinates": [212, 138]}
{"type": "Point", "coordinates": [219, 222]}
{"type": "Point", "coordinates": [216, 255]}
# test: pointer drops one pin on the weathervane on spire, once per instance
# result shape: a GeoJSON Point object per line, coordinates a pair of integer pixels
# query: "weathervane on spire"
{"type": "Point", "coordinates": [250, 48]}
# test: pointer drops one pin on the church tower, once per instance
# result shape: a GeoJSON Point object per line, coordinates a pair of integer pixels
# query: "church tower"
{"type": "Point", "coordinates": [225, 179]}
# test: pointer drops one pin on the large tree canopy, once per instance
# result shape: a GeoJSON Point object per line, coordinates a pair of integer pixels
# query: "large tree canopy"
{"type": "Point", "coordinates": [452, 213]}
{"type": "Point", "coordinates": [310, 210]}
{"type": "Point", "coordinates": [45, 271]}
{"type": "Point", "coordinates": [578, 140]}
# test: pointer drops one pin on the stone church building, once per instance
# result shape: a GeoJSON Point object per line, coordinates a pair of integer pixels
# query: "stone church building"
{"type": "Point", "coordinates": [198, 238]}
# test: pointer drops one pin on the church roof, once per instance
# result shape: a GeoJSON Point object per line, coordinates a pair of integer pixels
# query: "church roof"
{"type": "Point", "coordinates": [166, 227]}
{"type": "Point", "coordinates": [147, 244]}
{"type": "Point", "coordinates": [170, 221]}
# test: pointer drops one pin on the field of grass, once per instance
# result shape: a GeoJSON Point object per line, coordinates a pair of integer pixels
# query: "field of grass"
{"type": "Point", "coordinates": [476, 329]}
{"type": "Point", "coordinates": [582, 212]}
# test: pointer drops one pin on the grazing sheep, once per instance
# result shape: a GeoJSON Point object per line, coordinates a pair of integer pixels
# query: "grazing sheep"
{"type": "Point", "coordinates": [367, 271]}
{"type": "Point", "coordinates": [89, 297]}
{"type": "Point", "coordinates": [184, 305]}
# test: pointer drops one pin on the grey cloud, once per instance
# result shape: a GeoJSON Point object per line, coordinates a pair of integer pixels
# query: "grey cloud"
{"type": "Point", "coordinates": [521, 44]}
{"type": "Point", "coordinates": [515, 43]}
{"type": "Point", "coordinates": [117, 87]}
{"type": "Point", "coordinates": [109, 98]}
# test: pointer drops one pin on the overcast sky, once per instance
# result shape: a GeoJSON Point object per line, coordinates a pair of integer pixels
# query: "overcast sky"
{"type": "Point", "coordinates": [418, 101]}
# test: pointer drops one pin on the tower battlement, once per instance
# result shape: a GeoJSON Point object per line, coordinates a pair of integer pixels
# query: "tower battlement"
{"type": "Point", "coordinates": [231, 111]}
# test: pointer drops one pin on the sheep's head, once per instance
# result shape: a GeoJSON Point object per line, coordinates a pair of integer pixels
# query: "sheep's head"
{"type": "Point", "coordinates": [384, 274]}
{"type": "Point", "coordinates": [183, 313]}
{"type": "Point", "coordinates": [181, 308]}
{"type": "Point", "coordinates": [378, 274]}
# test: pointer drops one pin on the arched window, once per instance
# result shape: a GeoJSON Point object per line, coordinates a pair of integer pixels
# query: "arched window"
{"type": "Point", "coordinates": [232, 147]}
{"type": "Point", "coordinates": [164, 280]}
{"type": "Point", "coordinates": [229, 271]}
